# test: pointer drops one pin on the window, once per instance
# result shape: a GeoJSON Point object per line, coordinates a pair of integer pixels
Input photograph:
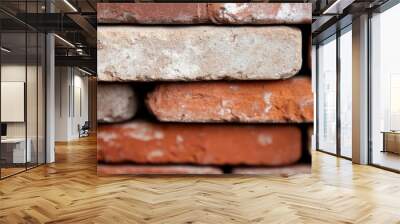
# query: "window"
{"type": "Point", "coordinates": [327, 95]}
{"type": "Point", "coordinates": [385, 89]}
{"type": "Point", "coordinates": [346, 92]}
{"type": "Point", "coordinates": [22, 77]}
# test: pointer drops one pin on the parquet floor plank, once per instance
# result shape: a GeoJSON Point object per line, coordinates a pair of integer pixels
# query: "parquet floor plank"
{"type": "Point", "coordinates": [69, 191]}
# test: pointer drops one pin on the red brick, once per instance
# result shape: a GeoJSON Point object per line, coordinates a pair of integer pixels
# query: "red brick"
{"type": "Point", "coordinates": [151, 169]}
{"type": "Point", "coordinates": [260, 13]}
{"type": "Point", "coordinates": [288, 100]}
{"type": "Point", "coordinates": [159, 143]}
{"type": "Point", "coordinates": [152, 13]}
{"type": "Point", "coordinates": [281, 171]}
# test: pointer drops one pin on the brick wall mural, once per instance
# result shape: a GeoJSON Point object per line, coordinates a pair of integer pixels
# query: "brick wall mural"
{"type": "Point", "coordinates": [204, 88]}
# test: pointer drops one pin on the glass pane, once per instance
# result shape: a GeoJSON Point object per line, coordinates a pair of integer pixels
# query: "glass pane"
{"type": "Point", "coordinates": [327, 96]}
{"type": "Point", "coordinates": [346, 94]}
{"type": "Point", "coordinates": [31, 87]}
{"type": "Point", "coordinates": [13, 87]}
{"type": "Point", "coordinates": [385, 114]}
{"type": "Point", "coordinates": [41, 98]}
{"type": "Point", "coordinates": [31, 98]}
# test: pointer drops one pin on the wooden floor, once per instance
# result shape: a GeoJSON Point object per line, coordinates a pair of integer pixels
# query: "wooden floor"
{"type": "Point", "coordinates": [5, 172]}
{"type": "Point", "coordinates": [70, 192]}
{"type": "Point", "coordinates": [387, 159]}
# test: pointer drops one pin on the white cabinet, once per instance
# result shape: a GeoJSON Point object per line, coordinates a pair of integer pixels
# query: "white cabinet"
{"type": "Point", "coordinates": [19, 155]}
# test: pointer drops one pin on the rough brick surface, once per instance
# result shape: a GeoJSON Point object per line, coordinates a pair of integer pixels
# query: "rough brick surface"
{"type": "Point", "coordinates": [282, 171]}
{"type": "Point", "coordinates": [288, 100]}
{"type": "Point", "coordinates": [202, 13]}
{"type": "Point", "coordinates": [260, 13]}
{"type": "Point", "coordinates": [151, 169]}
{"type": "Point", "coordinates": [115, 102]}
{"type": "Point", "coordinates": [143, 53]}
{"type": "Point", "coordinates": [310, 133]}
{"type": "Point", "coordinates": [152, 13]}
{"type": "Point", "coordinates": [309, 52]}
{"type": "Point", "coordinates": [159, 143]}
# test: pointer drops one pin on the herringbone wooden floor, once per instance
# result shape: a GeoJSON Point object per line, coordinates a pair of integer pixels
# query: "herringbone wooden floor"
{"type": "Point", "coordinates": [70, 192]}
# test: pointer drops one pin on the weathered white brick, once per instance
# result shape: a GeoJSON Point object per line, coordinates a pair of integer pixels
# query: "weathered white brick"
{"type": "Point", "coordinates": [140, 53]}
{"type": "Point", "coordinates": [115, 102]}
{"type": "Point", "coordinates": [260, 13]}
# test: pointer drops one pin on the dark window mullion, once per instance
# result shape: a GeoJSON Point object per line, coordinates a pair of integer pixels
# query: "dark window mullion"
{"type": "Point", "coordinates": [369, 100]}
{"type": "Point", "coordinates": [317, 97]}
{"type": "Point", "coordinates": [338, 98]}
{"type": "Point", "coordinates": [0, 96]}
{"type": "Point", "coordinates": [37, 90]}
{"type": "Point", "coordinates": [26, 87]}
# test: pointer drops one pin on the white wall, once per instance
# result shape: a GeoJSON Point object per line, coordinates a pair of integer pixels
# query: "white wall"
{"type": "Point", "coordinates": [61, 103]}
{"type": "Point", "coordinates": [70, 83]}
{"type": "Point", "coordinates": [80, 83]}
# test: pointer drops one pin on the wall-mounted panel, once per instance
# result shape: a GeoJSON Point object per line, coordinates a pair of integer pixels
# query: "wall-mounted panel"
{"type": "Point", "coordinates": [12, 101]}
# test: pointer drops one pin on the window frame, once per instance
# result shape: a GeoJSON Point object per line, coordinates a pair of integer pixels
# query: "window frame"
{"type": "Point", "coordinates": [334, 37]}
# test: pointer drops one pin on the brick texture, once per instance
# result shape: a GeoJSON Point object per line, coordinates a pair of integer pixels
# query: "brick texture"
{"type": "Point", "coordinates": [151, 169]}
{"type": "Point", "coordinates": [115, 102]}
{"type": "Point", "coordinates": [142, 53]}
{"type": "Point", "coordinates": [288, 100]}
{"type": "Point", "coordinates": [309, 52]}
{"type": "Point", "coordinates": [260, 13]}
{"type": "Point", "coordinates": [225, 92]}
{"type": "Point", "coordinates": [160, 143]}
{"type": "Point", "coordinates": [152, 13]}
{"type": "Point", "coordinates": [281, 171]}
{"type": "Point", "coordinates": [202, 13]}
{"type": "Point", "coordinates": [310, 132]}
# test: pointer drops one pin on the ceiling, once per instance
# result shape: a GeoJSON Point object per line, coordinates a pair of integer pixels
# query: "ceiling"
{"type": "Point", "coordinates": [74, 22]}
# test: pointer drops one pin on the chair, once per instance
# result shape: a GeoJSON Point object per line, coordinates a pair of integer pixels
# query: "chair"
{"type": "Point", "coordinates": [84, 130]}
